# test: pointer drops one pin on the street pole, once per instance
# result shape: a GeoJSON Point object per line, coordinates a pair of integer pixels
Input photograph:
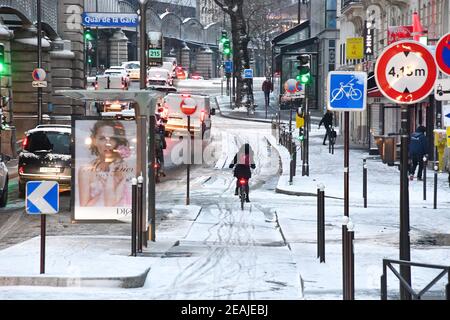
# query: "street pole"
{"type": "Point", "coordinates": [405, 271]}
{"type": "Point", "coordinates": [348, 275]}
{"type": "Point", "coordinates": [96, 41]}
{"type": "Point", "coordinates": [39, 56]}
{"type": "Point", "coordinates": [189, 158]}
{"type": "Point", "coordinates": [152, 122]}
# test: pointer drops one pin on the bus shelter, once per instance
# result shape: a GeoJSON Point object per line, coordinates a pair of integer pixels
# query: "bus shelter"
{"type": "Point", "coordinates": [93, 182]}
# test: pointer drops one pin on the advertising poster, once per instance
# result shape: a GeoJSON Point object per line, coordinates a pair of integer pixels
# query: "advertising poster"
{"type": "Point", "coordinates": [105, 163]}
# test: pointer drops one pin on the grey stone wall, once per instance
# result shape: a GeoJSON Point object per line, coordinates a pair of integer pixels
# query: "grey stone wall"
{"type": "Point", "coordinates": [204, 63]}
{"type": "Point", "coordinates": [118, 48]}
{"type": "Point", "coordinates": [23, 62]}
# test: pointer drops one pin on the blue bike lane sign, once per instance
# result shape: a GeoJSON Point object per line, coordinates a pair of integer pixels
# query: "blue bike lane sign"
{"type": "Point", "coordinates": [347, 91]}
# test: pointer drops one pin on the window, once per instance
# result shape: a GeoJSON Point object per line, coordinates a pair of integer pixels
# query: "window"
{"type": "Point", "coordinates": [330, 14]}
{"type": "Point", "coordinates": [54, 142]}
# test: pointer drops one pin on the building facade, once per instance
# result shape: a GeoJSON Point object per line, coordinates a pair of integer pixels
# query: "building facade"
{"type": "Point", "coordinates": [386, 17]}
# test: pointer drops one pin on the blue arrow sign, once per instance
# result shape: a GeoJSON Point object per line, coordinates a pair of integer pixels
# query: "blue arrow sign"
{"type": "Point", "coordinates": [447, 115]}
{"type": "Point", "coordinates": [42, 197]}
{"type": "Point", "coordinates": [347, 91]}
{"type": "Point", "coordinates": [228, 66]}
{"type": "Point", "coordinates": [248, 73]}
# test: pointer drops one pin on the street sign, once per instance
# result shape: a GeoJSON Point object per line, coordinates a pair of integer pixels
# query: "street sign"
{"type": "Point", "coordinates": [155, 53]}
{"type": "Point", "coordinates": [446, 114]}
{"type": "Point", "coordinates": [442, 90]}
{"type": "Point", "coordinates": [39, 84]}
{"type": "Point", "coordinates": [406, 72]}
{"type": "Point", "coordinates": [448, 137]}
{"type": "Point", "coordinates": [39, 74]}
{"type": "Point", "coordinates": [347, 91]}
{"type": "Point", "coordinates": [443, 54]}
{"type": "Point", "coordinates": [110, 20]}
{"type": "Point", "coordinates": [228, 66]}
{"type": "Point", "coordinates": [355, 48]}
{"type": "Point", "coordinates": [188, 106]}
{"type": "Point", "coordinates": [248, 73]}
{"type": "Point", "coordinates": [299, 121]}
{"type": "Point", "coordinates": [42, 197]}
{"type": "Point", "coordinates": [290, 86]}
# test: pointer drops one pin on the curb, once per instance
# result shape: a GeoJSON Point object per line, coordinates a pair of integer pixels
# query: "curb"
{"type": "Point", "coordinates": [127, 282]}
{"type": "Point", "coordinates": [238, 118]}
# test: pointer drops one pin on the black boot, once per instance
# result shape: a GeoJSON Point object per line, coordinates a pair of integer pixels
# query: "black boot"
{"type": "Point", "coordinates": [236, 191]}
{"type": "Point", "coordinates": [247, 199]}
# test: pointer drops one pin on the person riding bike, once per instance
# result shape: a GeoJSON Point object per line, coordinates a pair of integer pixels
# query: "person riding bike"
{"type": "Point", "coordinates": [243, 160]}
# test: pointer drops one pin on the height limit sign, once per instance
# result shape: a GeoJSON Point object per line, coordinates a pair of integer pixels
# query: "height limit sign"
{"type": "Point", "coordinates": [406, 72]}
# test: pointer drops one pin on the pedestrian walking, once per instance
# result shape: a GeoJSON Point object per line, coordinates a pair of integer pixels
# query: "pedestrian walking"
{"type": "Point", "coordinates": [267, 88]}
{"type": "Point", "coordinates": [327, 121]}
{"type": "Point", "coordinates": [418, 147]}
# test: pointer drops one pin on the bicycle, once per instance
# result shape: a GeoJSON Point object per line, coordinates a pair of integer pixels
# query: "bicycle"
{"type": "Point", "coordinates": [351, 93]}
{"type": "Point", "coordinates": [243, 185]}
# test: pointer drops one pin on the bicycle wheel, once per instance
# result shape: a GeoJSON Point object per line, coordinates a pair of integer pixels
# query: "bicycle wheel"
{"type": "Point", "coordinates": [337, 94]}
{"type": "Point", "coordinates": [356, 94]}
{"type": "Point", "coordinates": [242, 196]}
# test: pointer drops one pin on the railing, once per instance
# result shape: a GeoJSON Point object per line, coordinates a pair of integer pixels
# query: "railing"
{"type": "Point", "coordinates": [387, 263]}
{"type": "Point", "coordinates": [347, 3]}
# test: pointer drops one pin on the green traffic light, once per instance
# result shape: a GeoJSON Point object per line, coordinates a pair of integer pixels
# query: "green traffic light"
{"type": "Point", "coordinates": [1, 67]}
{"type": "Point", "coordinates": [227, 51]}
{"type": "Point", "coordinates": [304, 78]}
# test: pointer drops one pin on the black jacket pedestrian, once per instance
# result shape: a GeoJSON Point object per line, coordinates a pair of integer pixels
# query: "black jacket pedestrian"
{"type": "Point", "coordinates": [327, 120]}
{"type": "Point", "coordinates": [243, 161]}
{"type": "Point", "coordinates": [418, 145]}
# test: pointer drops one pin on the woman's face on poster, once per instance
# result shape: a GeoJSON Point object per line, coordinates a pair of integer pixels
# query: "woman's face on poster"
{"type": "Point", "coordinates": [105, 143]}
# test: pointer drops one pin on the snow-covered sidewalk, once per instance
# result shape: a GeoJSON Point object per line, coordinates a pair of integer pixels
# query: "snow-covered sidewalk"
{"type": "Point", "coordinates": [376, 227]}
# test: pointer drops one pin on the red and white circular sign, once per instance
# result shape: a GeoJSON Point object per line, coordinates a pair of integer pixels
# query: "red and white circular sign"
{"type": "Point", "coordinates": [443, 54]}
{"type": "Point", "coordinates": [405, 72]}
{"type": "Point", "coordinates": [290, 86]}
{"type": "Point", "coordinates": [188, 106]}
{"type": "Point", "coordinates": [39, 74]}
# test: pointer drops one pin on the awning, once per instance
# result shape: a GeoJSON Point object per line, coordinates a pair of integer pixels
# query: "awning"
{"type": "Point", "coordinates": [372, 89]}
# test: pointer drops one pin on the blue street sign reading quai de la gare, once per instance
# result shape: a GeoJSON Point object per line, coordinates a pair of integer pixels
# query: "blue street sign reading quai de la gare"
{"type": "Point", "coordinates": [117, 20]}
{"type": "Point", "coordinates": [347, 91]}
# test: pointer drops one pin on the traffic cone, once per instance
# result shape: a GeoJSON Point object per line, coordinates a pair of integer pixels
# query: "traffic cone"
{"type": "Point", "coordinates": [417, 27]}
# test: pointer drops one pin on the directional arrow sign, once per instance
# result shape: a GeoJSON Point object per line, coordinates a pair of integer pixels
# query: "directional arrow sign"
{"type": "Point", "coordinates": [42, 197]}
{"type": "Point", "coordinates": [446, 114]}
{"type": "Point", "coordinates": [406, 72]}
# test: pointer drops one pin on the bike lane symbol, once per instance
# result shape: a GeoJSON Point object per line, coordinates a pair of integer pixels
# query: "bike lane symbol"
{"type": "Point", "coordinates": [347, 91]}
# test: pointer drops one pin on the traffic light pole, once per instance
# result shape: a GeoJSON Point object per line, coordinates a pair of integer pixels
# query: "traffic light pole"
{"type": "Point", "coordinates": [39, 57]}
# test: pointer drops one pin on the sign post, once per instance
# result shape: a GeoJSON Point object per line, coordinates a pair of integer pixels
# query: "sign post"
{"type": "Point", "coordinates": [42, 197]}
{"type": "Point", "coordinates": [406, 73]}
{"type": "Point", "coordinates": [347, 91]}
{"type": "Point", "coordinates": [188, 106]}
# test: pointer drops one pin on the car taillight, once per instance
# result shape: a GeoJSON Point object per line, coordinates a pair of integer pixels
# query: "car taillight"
{"type": "Point", "coordinates": [21, 170]}
{"type": "Point", "coordinates": [24, 142]}
{"type": "Point", "coordinates": [202, 116]}
{"type": "Point", "coordinates": [156, 166]}
{"type": "Point", "coordinates": [242, 181]}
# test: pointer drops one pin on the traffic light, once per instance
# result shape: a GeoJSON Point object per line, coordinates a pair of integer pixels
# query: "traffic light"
{"type": "Point", "coordinates": [88, 34]}
{"type": "Point", "coordinates": [224, 37]}
{"type": "Point", "coordinates": [2, 58]}
{"type": "Point", "coordinates": [225, 44]}
{"type": "Point", "coordinates": [301, 134]}
{"type": "Point", "coordinates": [304, 69]}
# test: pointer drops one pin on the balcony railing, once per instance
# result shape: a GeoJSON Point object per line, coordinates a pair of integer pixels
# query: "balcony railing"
{"type": "Point", "coordinates": [347, 3]}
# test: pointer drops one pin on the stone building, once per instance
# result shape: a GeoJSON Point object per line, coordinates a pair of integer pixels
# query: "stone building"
{"type": "Point", "coordinates": [383, 116]}
{"type": "Point", "coordinates": [64, 53]}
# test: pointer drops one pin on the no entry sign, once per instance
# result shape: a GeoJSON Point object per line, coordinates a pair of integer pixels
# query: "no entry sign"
{"type": "Point", "coordinates": [188, 106]}
{"type": "Point", "coordinates": [406, 72]}
{"type": "Point", "coordinates": [443, 54]}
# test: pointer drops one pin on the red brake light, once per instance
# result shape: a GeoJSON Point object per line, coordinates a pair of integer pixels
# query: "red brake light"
{"type": "Point", "coordinates": [24, 142]}
{"type": "Point", "coordinates": [20, 170]}
{"type": "Point", "coordinates": [202, 116]}
{"type": "Point", "coordinates": [242, 181]}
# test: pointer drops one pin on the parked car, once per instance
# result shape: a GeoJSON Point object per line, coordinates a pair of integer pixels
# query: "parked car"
{"type": "Point", "coordinates": [46, 155]}
{"type": "Point", "coordinates": [4, 180]}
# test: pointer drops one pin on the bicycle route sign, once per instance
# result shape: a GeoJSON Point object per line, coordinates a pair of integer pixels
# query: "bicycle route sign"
{"type": "Point", "coordinates": [347, 91]}
{"type": "Point", "coordinates": [406, 72]}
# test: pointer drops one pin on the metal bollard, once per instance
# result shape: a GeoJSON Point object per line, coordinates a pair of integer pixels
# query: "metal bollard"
{"type": "Point", "coordinates": [294, 150]}
{"type": "Point", "coordinates": [425, 160]}
{"type": "Point", "coordinates": [321, 222]}
{"type": "Point", "coordinates": [351, 237]}
{"type": "Point", "coordinates": [436, 168]}
{"type": "Point", "coordinates": [133, 215]}
{"type": "Point", "coordinates": [139, 213]}
{"type": "Point", "coordinates": [365, 181]}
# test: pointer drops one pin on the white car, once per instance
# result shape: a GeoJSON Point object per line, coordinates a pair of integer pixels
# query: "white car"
{"type": "Point", "coordinates": [159, 77]}
{"type": "Point", "coordinates": [133, 69]}
{"type": "Point", "coordinates": [4, 180]}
